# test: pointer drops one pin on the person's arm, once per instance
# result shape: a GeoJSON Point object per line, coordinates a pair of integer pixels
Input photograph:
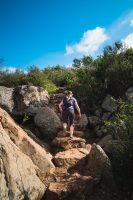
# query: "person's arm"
{"type": "Point", "coordinates": [60, 106]}
{"type": "Point", "coordinates": [77, 108]}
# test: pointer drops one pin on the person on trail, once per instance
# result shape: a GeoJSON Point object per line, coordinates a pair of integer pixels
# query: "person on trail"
{"type": "Point", "coordinates": [66, 107]}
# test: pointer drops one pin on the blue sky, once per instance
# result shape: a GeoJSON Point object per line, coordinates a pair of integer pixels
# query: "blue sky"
{"type": "Point", "coordinates": [50, 32]}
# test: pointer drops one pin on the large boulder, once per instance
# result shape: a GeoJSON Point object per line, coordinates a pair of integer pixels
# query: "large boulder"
{"type": "Point", "coordinates": [104, 141]}
{"type": "Point", "coordinates": [28, 99]}
{"type": "Point", "coordinates": [109, 104]}
{"type": "Point", "coordinates": [24, 164]}
{"type": "Point", "coordinates": [23, 99]}
{"type": "Point", "coordinates": [94, 121]}
{"type": "Point", "coordinates": [38, 155]}
{"type": "Point", "coordinates": [113, 146]}
{"type": "Point", "coordinates": [47, 122]}
{"type": "Point", "coordinates": [98, 162]}
{"type": "Point", "coordinates": [129, 94]}
{"type": "Point", "coordinates": [6, 98]}
{"type": "Point", "coordinates": [18, 174]}
{"type": "Point", "coordinates": [82, 122]}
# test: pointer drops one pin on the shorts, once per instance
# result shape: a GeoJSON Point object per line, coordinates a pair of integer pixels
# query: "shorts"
{"type": "Point", "coordinates": [68, 116]}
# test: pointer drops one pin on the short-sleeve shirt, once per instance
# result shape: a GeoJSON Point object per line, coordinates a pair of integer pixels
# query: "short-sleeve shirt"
{"type": "Point", "coordinates": [69, 103]}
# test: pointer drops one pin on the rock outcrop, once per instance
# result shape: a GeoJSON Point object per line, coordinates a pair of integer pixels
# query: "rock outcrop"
{"type": "Point", "coordinates": [23, 99]}
{"type": "Point", "coordinates": [129, 94]}
{"type": "Point", "coordinates": [109, 104]}
{"type": "Point", "coordinates": [98, 162]}
{"type": "Point", "coordinates": [28, 99]}
{"type": "Point", "coordinates": [24, 164]}
{"type": "Point", "coordinates": [82, 122]}
{"type": "Point", "coordinates": [7, 98]}
{"type": "Point", "coordinates": [47, 122]}
{"type": "Point", "coordinates": [18, 173]}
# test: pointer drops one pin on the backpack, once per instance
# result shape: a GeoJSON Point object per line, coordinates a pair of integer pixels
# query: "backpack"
{"type": "Point", "coordinates": [68, 103]}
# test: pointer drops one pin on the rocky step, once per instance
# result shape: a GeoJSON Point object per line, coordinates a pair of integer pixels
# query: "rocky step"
{"type": "Point", "coordinates": [81, 174]}
{"type": "Point", "coordinates": [71, 157]}
{"type": "Point", "coordinates": [63, 134]}
{"type": "Point", "coordinates": [58, 95]}
{"type": "Point", "coordinates": [67, 143]}
{"type": "Point", "coordinates": [73, 187]}
{"type": "Point", "coordinates": [67, 181]}
{"type": "Point", "coordinates": [79, 124]}
{"type": "Point", "coordinates": [61, 89]}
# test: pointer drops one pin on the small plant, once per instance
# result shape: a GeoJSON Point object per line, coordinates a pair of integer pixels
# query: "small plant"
{"type": "Point", "coordinates": [25, 118]}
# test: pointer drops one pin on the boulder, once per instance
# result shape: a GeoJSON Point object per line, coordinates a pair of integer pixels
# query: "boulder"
{"type": "Point", "coordinates": [26, 145]}
{"type": "Point", "coordinates": [109, 104]}
{"type": "Point", "coordinates": [47, 122]}
{"type": "Point", "coordinates": [129, 94]}
{"type": "Point", "coordinates": [94, 120]}
{"type": "Point", "coordinates": [103, 142]}
{"type": "Point", "coordinates": [67, 134]}
{"type": "Point", "coordinates": [18, 173]}
{"type": "Point", "coordinates": [82, 122]}
{"type": "Point", "coordinates": [66, 143]}
{"type": "Point", "coordinates": [28, 99]}
{"type": "Point", "coordinates": [98, 112]}
{"type": "Point", "coordinates": [106, 116]}
{"type": "Point", "coordinates": [70, 157]}
{"type": "Point", "coordinates": [23, 99]}
{"type": "Point", "coordinates": [24, 164]}
{"type": "Point", "coordinates": [98, 162]}
{"type": "Point", "coordinates": [114, 145]}
{"type": "Point", "coordinates": [98, 131]}
{"type": "Point", "coordinates": [6, 98]}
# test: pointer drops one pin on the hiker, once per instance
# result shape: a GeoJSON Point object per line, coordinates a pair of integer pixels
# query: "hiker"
{"type": "Point", "coordinates": [66, 108]}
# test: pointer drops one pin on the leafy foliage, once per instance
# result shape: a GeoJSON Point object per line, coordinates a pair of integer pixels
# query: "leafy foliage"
{"type": "Point", "coordinates": [122, 160]}
{"type": "Point", "coordinates": [34, 77]}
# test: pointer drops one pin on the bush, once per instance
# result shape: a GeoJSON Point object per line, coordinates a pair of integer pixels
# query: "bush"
{"type": "Point", "coordinates": [34, 77]}
{"type": "Point", "coordinates": [122, 160]}
{"type": "Point", "coordinates": [61, 76]}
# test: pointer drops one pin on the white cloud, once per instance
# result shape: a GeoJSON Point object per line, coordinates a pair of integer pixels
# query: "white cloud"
{"type": "Point", "coordinates": [69, 50]}
{"type": "Point", "coordinates": [89, 43]}
{"type": "Point", "coordinates": [128, 40]}
{"type": "Point", "coordinates": [12, 69]}
{"type": "Point", "coordinates": [131, 22]}
{"type": "Point", "coordinates": [69, 65]}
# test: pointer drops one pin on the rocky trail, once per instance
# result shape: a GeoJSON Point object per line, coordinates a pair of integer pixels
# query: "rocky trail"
{"type": "Point", "coordinates": [63, 169]}
{"type": "Point", "coordinates": [79, 169]}
{"type": "Point", "coordinates": [79, 165]}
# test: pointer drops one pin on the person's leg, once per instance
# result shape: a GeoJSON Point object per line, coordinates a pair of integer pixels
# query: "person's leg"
{"type": "Point", "coordinates": [71, 119]}
{"type": "Point", "coordinates": [65, 119]}
{"type": "Point", "coordinates": [71, 130]}
{"type": "Point", "coordinates": [65, 126]}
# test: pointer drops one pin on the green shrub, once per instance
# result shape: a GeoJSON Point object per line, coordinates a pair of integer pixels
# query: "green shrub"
{"type": "Point", "coordinates": [122, 160]}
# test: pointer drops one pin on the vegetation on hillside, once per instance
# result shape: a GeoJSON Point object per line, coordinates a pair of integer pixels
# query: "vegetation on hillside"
{"type": "Point", "coordinates": [91, 79]}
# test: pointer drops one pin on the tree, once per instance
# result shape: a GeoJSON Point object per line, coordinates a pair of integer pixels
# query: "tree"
{"type": "Point", "coordinates": [77, 63]}
{"type": "Point", "coordinates": [86, 60]}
